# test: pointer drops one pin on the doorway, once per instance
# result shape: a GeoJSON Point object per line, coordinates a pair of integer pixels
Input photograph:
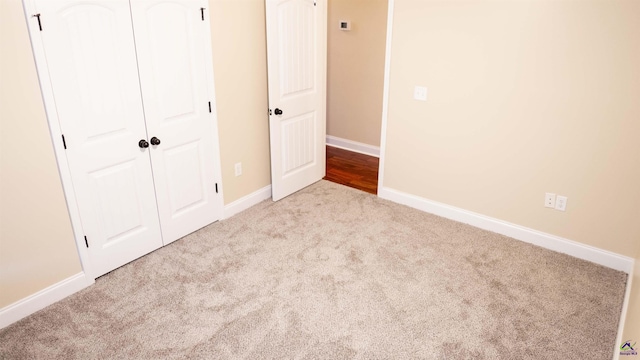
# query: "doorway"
{"type": "Point", "coordinates": [356, 44]}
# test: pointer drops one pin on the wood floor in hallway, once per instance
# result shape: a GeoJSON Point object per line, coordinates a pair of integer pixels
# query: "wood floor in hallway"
{"type": "Point", "coordinates": [352, 169]}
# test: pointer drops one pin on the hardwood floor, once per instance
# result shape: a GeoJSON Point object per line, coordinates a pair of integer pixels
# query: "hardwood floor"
{"type": "Point", "coordinates": [352, 169]}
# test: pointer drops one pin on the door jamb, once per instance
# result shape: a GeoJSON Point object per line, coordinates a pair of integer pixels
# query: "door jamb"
{"type": "Point", "coordinates": [385, 96]}
{"type": "Point", "coordinates": [211, 91]}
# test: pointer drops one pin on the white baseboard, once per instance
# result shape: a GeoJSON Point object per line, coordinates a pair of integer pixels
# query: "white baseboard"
{"type": "Point", "coordinates": [623, 313]}
{"type": "Point", "coordinates": [69, 286]}
{"type": "Point", "coordinates": [353, 146]}
{"type": "Point", "coordinates": [246, 202]}
{"type": "Point", "coordinates": [548, 241]}
{"type": "Point", "coordinates": [43, 298]}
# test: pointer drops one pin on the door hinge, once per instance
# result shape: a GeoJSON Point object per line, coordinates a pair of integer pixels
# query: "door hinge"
{"type": "Point", "coordinates": [39, 23]}
{"type": "Point", "coordinates": [202, 13]}
{"type": "Point", "coordinates": [216, 188]}
{"type": "Point", "coordinates": [64, 142]}
{"type": "Point", "coordinates": [209, 106]}
{"type": "Point", "coordinates": [86, 242]}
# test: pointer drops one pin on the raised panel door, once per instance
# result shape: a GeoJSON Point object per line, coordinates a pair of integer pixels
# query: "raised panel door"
{"type": "Point", "coordinates": [296, 49]}
{"type": "Point", "coordinates": [172, 40]}
{"type": "Point", "coordinates": [91, 60]}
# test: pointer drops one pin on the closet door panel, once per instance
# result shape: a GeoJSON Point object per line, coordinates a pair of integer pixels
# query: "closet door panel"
{"type": "Point", "coordinates": [91, 60]}
{"type": "Point", "coordinates": [171, 43]}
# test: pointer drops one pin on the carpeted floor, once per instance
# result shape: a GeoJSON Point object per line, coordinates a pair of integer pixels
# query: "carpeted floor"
{"type": "Point", "coordinates": [335, 273]}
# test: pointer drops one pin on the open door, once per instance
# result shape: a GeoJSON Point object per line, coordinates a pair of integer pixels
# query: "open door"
{"type": "Point", "coordinates": [297, 70]}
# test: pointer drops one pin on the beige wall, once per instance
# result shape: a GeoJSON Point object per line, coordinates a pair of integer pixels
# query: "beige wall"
{"type": "Point", "coordinates": [355, 69]}
{"type": "Point", "coordinates": [34, 257]}
{"type": "Point", "coordinates": [37, 247]}
{"type": "Point", "coordinates": [240, 66]}
{"type": "Point", "coordinates": [525, 97]}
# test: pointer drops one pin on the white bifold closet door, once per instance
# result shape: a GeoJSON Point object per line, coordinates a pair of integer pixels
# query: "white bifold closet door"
{"type": "Point", "coordinates": [118, 83]}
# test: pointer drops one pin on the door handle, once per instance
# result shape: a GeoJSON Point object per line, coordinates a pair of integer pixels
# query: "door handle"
{"type": "Point", "coordinates": [155, 141]}
{"type": "Point", "coordinates": [143, 144]}
{"type": "Point", "coordinates": [278, 111]}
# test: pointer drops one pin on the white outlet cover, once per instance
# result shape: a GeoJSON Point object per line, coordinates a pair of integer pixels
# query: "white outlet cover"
{"type": "Point", "coordinates": [420, 93]}
{"type": "Point", "coordinates": [238, 169]}
{"type": "Point", "coordinates": [549, 200]}
{"type": "Point", "coordinates": [561, 203]}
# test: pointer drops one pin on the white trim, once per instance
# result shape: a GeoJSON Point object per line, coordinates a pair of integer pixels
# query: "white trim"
{"type": "Point", "coordinates": [385, 95]}
{"type": "Point", "coordinates": [547, 241]}
{"type": "Point", "coordinates": [623, 314]}
{"type": "Point", "coordinates": [217, 167]}
{"type": "Point", "coordinates": [43, 298]}
{"type": "Point", "coordinates": [354, 146]}
{"type": "Point", "coordinates": [246, 202]}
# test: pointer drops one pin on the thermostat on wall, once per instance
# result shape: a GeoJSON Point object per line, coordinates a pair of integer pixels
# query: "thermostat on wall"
{"type": "Point", "coordinates": [345, 25]}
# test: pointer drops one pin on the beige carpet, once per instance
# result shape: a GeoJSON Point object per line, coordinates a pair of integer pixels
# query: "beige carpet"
{"type": "Point", "coordinates": [335, 273]}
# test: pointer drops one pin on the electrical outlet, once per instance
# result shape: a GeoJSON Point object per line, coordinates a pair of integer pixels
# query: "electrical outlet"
{"type": "Point", "coordinates": [561, 203]}
{"type": "Point", "coordinates": [420, 93]}
{"type": "Point", "coordinates": [238, 169]}
{"type": "Point", "coordinates": [549, 200]}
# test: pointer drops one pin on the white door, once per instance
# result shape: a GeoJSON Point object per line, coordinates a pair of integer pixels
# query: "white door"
{"type": "Point", "coordinates": [91, 59]}
{"type": "Point", "coordinates": [297, 53]}
{"type": "Point", "coordinates": [174, 61]}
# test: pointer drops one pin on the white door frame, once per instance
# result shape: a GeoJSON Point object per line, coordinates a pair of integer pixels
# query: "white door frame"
{"type": "Point", "coordinates": [55, 131]}
{"type": "Point", "coordinates": [385, 96]}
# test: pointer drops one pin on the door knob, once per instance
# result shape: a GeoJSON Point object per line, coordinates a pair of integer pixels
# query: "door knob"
{"type": "Point", "coordinates": [143, 144]}
{"type": "Point", "coordinates": [278, 111]}
{"type": "Point", "coordinates": [155, 141]}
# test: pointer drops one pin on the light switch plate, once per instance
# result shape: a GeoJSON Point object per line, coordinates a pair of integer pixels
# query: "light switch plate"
{"type": "Point", "coordinates": [420, 93]}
